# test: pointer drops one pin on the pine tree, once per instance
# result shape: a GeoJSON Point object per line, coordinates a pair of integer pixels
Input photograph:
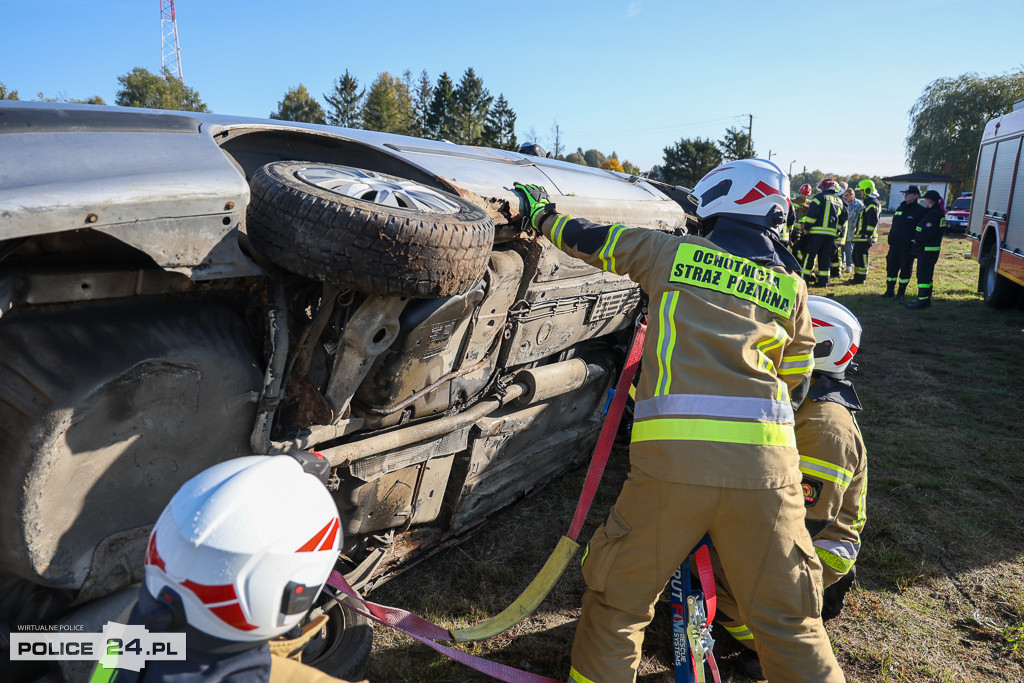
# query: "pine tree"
{"type": "Point", "coordinates": [345, 102]}
{"type": "Point", "coordinates": [472, 102]}
{"type": "Point", "coordinates": [299, 105]}
{"type": "Point", "coordinates": [500, 130]}
{"type": "Point", "coordinates": [441, 123]}
{"type": "Point", "coordinates": [421, 98]}
{"type": "Point", "coordinates": [736, 145]}
{"type": "Point", "coordinates": [388, 106]}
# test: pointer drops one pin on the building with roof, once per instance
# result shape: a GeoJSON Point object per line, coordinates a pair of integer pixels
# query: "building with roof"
{"type": "Point", "coordinates": [924, 181]}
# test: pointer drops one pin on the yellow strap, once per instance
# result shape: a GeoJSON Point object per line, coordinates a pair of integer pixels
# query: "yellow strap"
{"type": "Point", "coordinates": [292, 647]}
{"type": "Point", "coordinates": [528, 600]}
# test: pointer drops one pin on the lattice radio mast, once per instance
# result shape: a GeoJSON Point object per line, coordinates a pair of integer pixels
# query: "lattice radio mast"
{"type": "Point", "coordinates": [169, 40]}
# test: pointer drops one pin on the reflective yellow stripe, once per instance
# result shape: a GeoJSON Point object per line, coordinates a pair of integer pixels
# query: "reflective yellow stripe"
{"type": "Point", "coordinates": [796, 365]}
{"type": "Point", "coordinates": [100, 674]}
{"type": "Point", "coordinates": [575, 675]}
{"type": "Point", "coordinates": [840, 564]}
{"type": "Point", "coordinates": [586, 551]}
{"type": "Point", "coordinates": [608, 250]}
{"type": "Point", "coordinates": [764, 362]}
{"type": "Point", "coordinates": [556, 230]}
{"type": "Point", "coordinates": [666, 341]}
{"type": "Point", "coordinates": [825, 470]}
{"type": "Point", "coordinates": [720, 431]}
{"type": "Point", "coordinates": [740, 632]}
{"type": "Point", "coordinates": [862, 502]}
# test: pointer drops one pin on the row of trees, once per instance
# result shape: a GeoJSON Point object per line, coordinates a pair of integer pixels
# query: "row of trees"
{"type": "Point", "coordinates": [690, 159]}
{"type": "Point", "coordinates": [464, 112]}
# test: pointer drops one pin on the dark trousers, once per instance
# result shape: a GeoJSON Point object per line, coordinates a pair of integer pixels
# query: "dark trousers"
{"type": "Point", "coordinates": [925, 272]}
{"type": "Point", "coordinates": [860, 257]}
{"type": "Point", "coordinates": [899, 263]}
{"type": "Point", "coordinates": [820, 247]}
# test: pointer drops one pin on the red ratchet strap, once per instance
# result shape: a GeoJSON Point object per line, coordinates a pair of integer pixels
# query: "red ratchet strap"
{"type": "Point", "coordinates": [608, 431]}
{"type": "Point", "coordinates": [423, 631]}
{"type": "Point", "coordinates": [702, 558]}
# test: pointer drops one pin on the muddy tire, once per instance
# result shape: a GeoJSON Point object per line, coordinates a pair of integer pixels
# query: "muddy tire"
{"type": "Point", "coordinates": [343, 648]}
{"type": "Point", "coordinates": [105, 411]}
{"type": "Point", "coordinates": [367, 231]}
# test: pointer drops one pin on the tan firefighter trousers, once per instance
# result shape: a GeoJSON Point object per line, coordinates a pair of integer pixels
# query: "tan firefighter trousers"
{"type": "Point", "coordinates": [765, 551]}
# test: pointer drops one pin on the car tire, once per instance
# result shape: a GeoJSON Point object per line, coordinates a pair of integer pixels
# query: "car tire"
{"type": "Point", "coordinates": [367, 231]}
{"type": "Point", "coordinates": [105, 410]}
{"type": "Point", "coordinates": [998, 291]}
{"type": "Point", "coordinates": [343, 649]}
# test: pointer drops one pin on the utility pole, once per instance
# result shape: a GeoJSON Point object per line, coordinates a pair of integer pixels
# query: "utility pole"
{"type": "Point", "coordinates": [791, 168]}
{"type": "Point", "coordinates": [750, 136]}
{"type": "Point", "coordinates": [769, 155]}
{"type": "Point", "coordinates": [171, 51]}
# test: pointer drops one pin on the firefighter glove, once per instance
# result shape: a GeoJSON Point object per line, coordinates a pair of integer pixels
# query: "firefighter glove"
{"type": "Point", "coordinates": [538, 206]}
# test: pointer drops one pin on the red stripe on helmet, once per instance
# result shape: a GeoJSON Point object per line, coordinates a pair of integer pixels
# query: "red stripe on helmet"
{"type": "Point", "coordinates": [820, 323]}
{"type": "Point", "coordinates": [152, 556]}
{"type": "Point", "coordinates": [759, 191]}
{"type": "Point", "coordinates": [328, 543]}
{"type": "Point", "coordinates": [211, 594]}
{"type": "Point", "coordinates": [849, 354]}
{"type": "Point", "coordinates": [232, 615]}
{"type": "Point", "coordinates": [312, 544]}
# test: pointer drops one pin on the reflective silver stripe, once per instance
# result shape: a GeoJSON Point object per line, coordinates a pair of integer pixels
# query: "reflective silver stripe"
{"type": "Point", "coordinates": [843, 549]}
{"type": "Point", "coordinates": [820, 468]}
{"type": "Point", "coordinates": [735, 407]}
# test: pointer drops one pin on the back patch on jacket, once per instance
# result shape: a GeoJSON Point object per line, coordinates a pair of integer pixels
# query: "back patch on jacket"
{"type": "Point", "coordinates": [742, 278]}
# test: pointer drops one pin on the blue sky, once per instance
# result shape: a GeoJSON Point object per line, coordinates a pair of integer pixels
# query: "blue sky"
{"type": "Point", "coordinates": [829, 84]}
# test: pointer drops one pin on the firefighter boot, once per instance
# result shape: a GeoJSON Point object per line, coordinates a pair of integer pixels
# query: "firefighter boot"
{"type": "Point", "coordinates": [750, 665]}
{"type": "Point", "coordinates": [900, 292]}
{"type": "Point", "coordinates": [858, 280]}
{"type": "Point", "coordinates": [922, 302]}
{"type": "Point", "coordinates": [890, 285]}
{"type": "Point", "coordinates": [821, 281]}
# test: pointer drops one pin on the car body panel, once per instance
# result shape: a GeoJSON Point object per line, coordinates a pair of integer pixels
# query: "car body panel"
{"type": "Point", "coordinates": [66, 167]}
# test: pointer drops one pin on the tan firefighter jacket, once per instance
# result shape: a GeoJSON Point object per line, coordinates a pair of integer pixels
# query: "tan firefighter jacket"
{"type": "Point", "coordinates": [833, 461]}
{"type": "Point", "coordinates": [728, 341]}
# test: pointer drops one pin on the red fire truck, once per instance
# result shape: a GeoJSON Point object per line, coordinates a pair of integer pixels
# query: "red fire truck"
{"type": "Point", "coordinates": [997, 212]}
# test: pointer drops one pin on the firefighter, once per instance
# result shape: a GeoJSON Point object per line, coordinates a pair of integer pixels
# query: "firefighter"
{"type": "Point", "coordinates": [926, 244]}
{"type": "Point", "coordinates": [900, 261]}
{"type": "Point", "coordinates": [864, 232]}
{"type": "Point", "coordinates": [825, 215]}
{"type": "Point", "coordinates": [235, 561]}
{"type": "Point", "coordinates": [834, 465]}
{"type": "Point", "coordinates": [798, 236]}
{"type": "Point", "coordinates": [728, 352]}
{"type": "Point", "coordinates": [802, 201]}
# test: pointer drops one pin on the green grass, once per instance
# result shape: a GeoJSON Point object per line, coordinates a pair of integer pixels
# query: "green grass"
{"type": "Point", "coordinates": [940, 593]}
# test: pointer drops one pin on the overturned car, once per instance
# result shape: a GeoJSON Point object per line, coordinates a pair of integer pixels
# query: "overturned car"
{"type": "Point", "coordinates": [178, 289]}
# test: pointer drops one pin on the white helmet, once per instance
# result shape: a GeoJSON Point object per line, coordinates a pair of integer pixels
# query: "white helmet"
{"type": "Point", "coordinates": [837, 333]}
{"type": "Point", "coordinates": [751, 188]}
{"type": "Point", "coordinates": [245, 546]}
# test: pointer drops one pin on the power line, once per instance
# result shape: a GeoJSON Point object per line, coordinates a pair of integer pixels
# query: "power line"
{"type": "Point", "coordinates": [654, 129]}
